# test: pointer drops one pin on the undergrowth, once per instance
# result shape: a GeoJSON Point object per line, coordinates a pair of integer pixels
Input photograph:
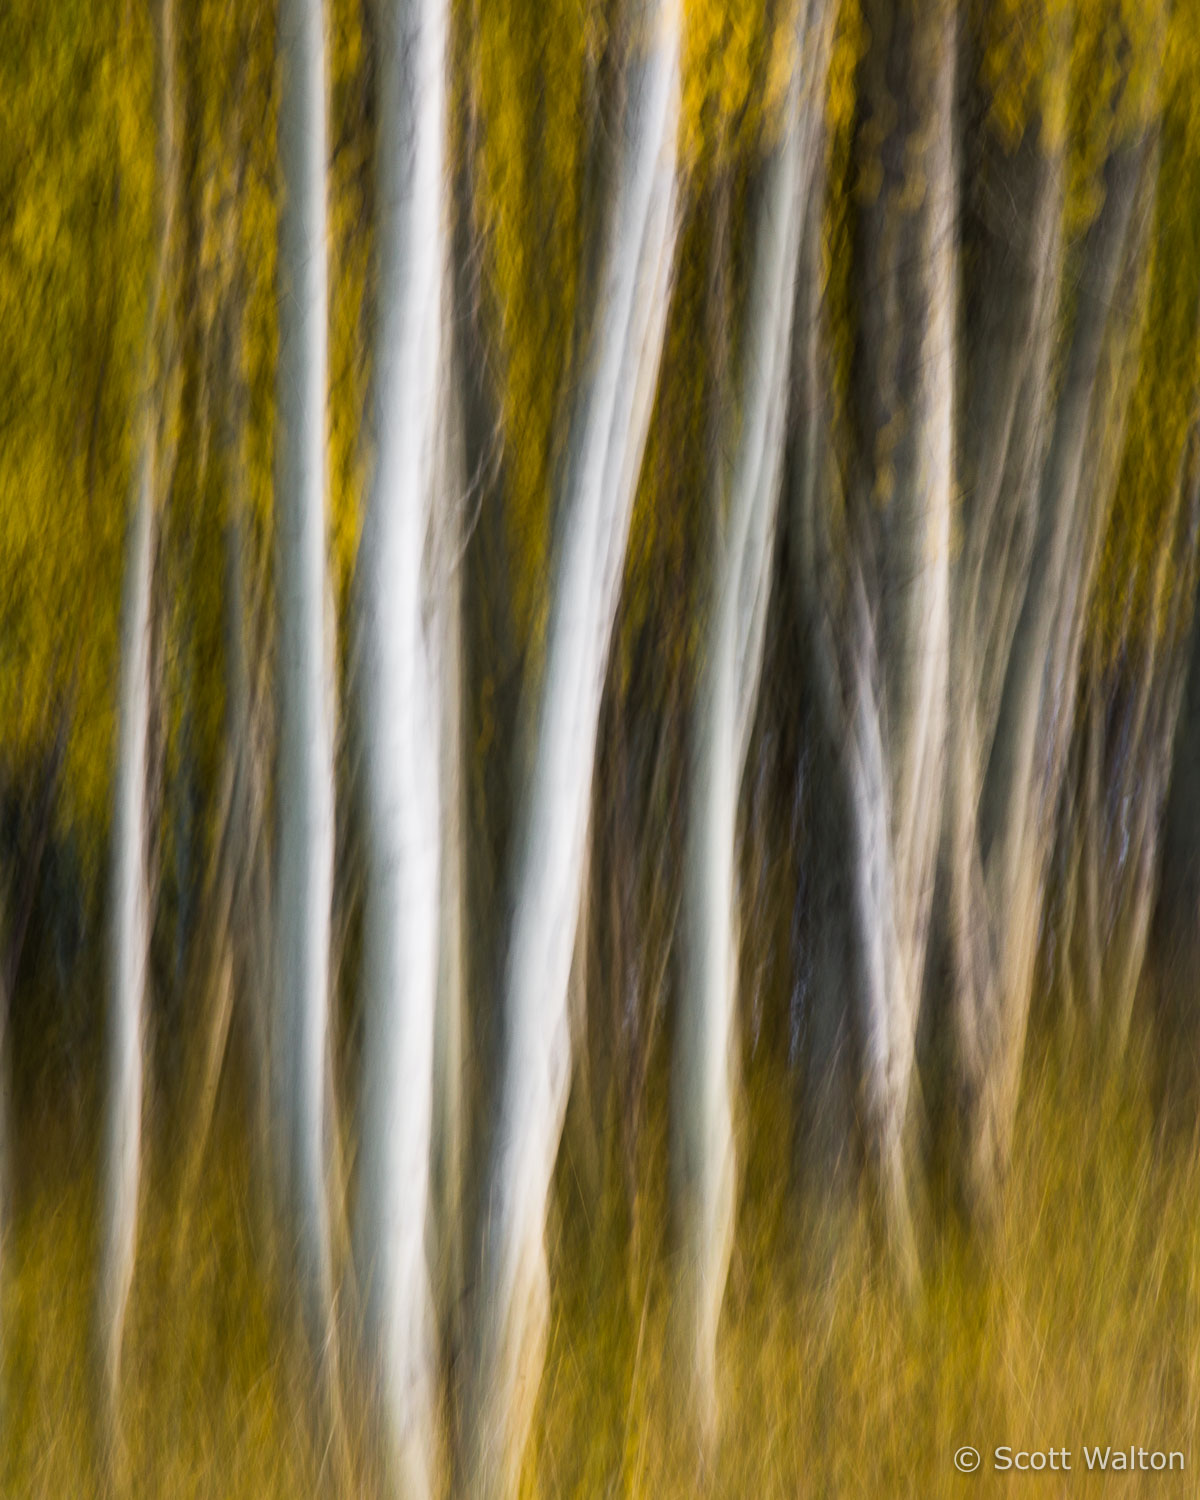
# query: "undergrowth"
{"type": "Point", "coordinates": [1080, 1325]}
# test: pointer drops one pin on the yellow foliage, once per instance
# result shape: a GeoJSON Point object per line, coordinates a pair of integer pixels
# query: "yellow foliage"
{"type": "Point", "coordinates": [730, 51]}
{"type": "Point", "coordinates": [849, 47]}
{"type": "Point", "coordinates": [536, 80]}
{"type": "Point", "coordinates": [1023, 65]}
{"type": "Point", "coordinates": [529, 69]}
{"type": "Point", "coordinates": [1114, 92]}
{"type": "Point", "coordinates": [673, 491]}
{"type": "Point", "coordinates": [76, 164]}
{"type": "Point", "coordinates": [78, 154]}
{"type": "Point", "coordinates": [739, 57]}
{"type": "Point", "coordinates": [1166, 400]}
{"type": "Point", "coordinates": [350, 205]}
{"type": "Point", "coordinates": [78, 177]}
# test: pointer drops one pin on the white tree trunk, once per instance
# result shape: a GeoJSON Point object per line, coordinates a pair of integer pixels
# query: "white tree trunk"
{"type": "Point", "coordinates": [1013, 219]}
{"type": "Point", "coordinates": [607, 438]}
{"type": "Point", "coordinates": [745, 502]}
{"type": "Point", "coordinates": [1035, 712]}
{"type": "Point", "coordinates": [401, 734]}
{"type": "Point", "coordinates": [129, 932]}
{"type": "Point", "coordinates": [450, 1031]}
{"type": "Point", "coordinates": [129, 912]}
{"type": "Point", "coordinates": [1113, 796]}
{"type": "Point", "coordinates": [876, 597]}
{"type": "Point", "coordinates": [304, 776]}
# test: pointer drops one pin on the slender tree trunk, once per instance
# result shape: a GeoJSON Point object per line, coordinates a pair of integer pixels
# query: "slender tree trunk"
{"type": "Point", "coordinates": [129, 938]}
{"type": "Point", "coordinates": [1134, 860]}
{"type": "Point", "coordinates": [227, 971]}
{"type": "Point", "coordinates": [129, 897]}
{"type": "Point", "coordinates": [450, 1030]}
{"type": "Point", "coordinates": [248, 735]}
{"type": "Point", "coordinates": [1176, 919]}
{"type": "Point", "coordinates": [198, 1020]}
{"type": "Point", "coordinates": [402, 735]}
{"type": "Point", "coordinates": [745, 502]}
{"type": "Point", "coordinates": [825, 1133]}
{"type": "Point", "coordinates": [1088, 952]}
{"type": "Point", "coordinates": [1029, 751]}
{"type": "Point", "coordinates": [250, 913]}
{"type": "Point", "coordinates": [304, 778]}
{"type": "Point", "coordinates": [877, 597]}
{"type": "Point", "coordinates": [1113, 799]}
{"type": "Point", "coordinates": [607, 437]}
{"type": "Point", "coordinates": [1012, 213]}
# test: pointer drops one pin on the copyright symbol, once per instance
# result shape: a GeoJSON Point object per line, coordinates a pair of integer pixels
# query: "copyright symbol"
{"type": "Point", "coordinates": [967, 1460]}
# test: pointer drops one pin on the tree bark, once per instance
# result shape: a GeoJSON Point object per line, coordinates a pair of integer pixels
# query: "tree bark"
{"type": "Point", "coordinates": [304, 847]}
{"type": "Point", "coordinates": [874, 576]}
{"type": "Point", "coordinates": [1013, 231]}
{"type": "Point", "coordinates": [745, 504]}
{"type": "Point", "coordinates": [1176, 918]}
{"type": "Point", "coordinates": [608, 430]}
{"type": "Point", "coordinates": [129, 917]}
{"type": "Point", "coordinates": [402, 734]}
{"type": "Point", "coordinates": [1028, 754]}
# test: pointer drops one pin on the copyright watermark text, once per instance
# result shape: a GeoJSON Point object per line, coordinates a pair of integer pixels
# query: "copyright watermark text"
{"type": "Point", "coordinates": [1102, 1458]}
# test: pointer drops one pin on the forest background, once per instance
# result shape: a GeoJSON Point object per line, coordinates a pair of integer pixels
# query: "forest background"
{"type": "Point", "coordinates": [599, 742]}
